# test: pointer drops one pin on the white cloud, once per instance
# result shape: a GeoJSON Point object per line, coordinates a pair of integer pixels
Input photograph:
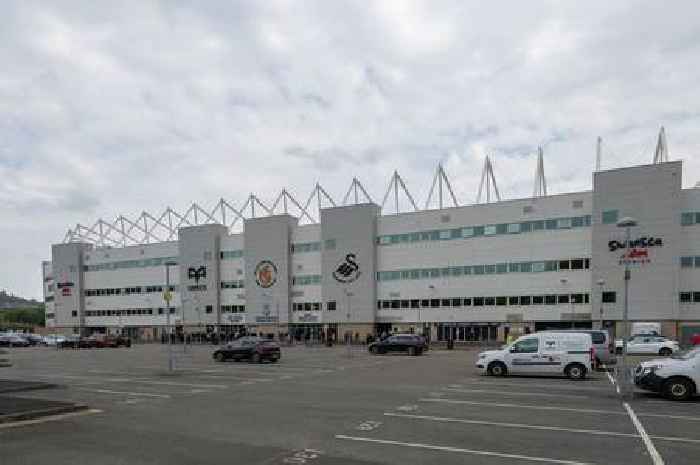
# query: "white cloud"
{"type": "Point", "coordinates": [123, 107]}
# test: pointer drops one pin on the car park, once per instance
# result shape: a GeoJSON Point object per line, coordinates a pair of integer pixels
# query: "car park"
{"type": "Point", "coordinates": [544, 353]}
{"type": "Point", "coordinates": [648, 345]}
{"type": "Point", "coordinates": [411, 344]}
{"type": "Point", "coordinates": [13, 340]}
{"type": "Point", "coordinates": [254, 349]}
{"type": "Point", "coordinates": [602, 344]}
{"type": "Point", "coordinates": [676, 377]}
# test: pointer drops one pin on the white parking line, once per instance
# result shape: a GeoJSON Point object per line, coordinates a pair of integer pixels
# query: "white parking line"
{"type": "Point", "coordinates": [516, 393]}
{"type": "Point", "coordinates": [459, 450]}
{"type": "Point", "coordinates": [511, 425]}
{"type": "Point", "coordinates": [653, 453]}
{"type": "Point", "coordinates": [562, 409]}
{"type": "Point", "coordinates": [49, 418]}
{"type": "Point", "coordinates": [612, 381]}
{"type": "Point", "coordinates": [135, 394]}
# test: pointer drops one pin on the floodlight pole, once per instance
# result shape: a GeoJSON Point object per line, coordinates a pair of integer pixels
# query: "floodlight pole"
{"type": "Point", "coordinates": [626, 223]}
{"type": "Point", "coordinates": [167, 297]}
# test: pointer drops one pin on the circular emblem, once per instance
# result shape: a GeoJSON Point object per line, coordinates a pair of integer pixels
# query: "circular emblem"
{"type": "Point", "coordinates": [266, 274]}
{"type": "Point", "coordinates": [348, 270]}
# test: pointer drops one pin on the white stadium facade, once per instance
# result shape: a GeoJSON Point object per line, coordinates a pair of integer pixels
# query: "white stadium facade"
{"type": "Point", "coordinates": [470, 272]}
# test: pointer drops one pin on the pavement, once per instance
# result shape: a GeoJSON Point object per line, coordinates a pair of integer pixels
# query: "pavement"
{"type": "Point", "coordinates": [330, 406]}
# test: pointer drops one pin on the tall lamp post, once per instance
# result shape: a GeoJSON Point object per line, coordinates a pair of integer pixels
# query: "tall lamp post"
{"type": "Point", "coordinates": [627, 223]}
{"type": "Point", "coordinates": [167, 296]}
{"type": "Point", "coordinates": [348, 314]}
{"type": "Point", "coordinates": [601, 283]}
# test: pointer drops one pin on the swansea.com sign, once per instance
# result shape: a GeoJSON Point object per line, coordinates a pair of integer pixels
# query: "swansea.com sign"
{"type": "Point", "coordinates": [635, 251]}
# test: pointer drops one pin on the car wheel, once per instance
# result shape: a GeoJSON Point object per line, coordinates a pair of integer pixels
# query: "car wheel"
{"type": "Point", "coordinates": [411, 351]}
{"type": "Point", "coordinates": [678, 389]}
{"type": "Point", "coordinates": [374, 350]}
{"type": "Point", "coordinates": [665, 352]}
{"type": "Point", "coordinates": [255, 358]}
{"type": "Point", "coordinates": [220, 357]}
{"type": "Point", "coordinates": [497, 369]}
{"type": "Point", "coordinates": [575, 371]}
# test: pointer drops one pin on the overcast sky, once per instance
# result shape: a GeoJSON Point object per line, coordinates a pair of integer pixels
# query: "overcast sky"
{"type": "Point", "coordinates": [111, 108]}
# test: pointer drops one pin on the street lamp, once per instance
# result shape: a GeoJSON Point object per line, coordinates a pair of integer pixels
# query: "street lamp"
{"type": "Point", "coordinates": [348, 314]}
{"type": "Point", "coordinates": [167, 296]}
{"type": "Point", "coordinates": [432, 294]}
{"type": "Point", "coordinates": [627, 223]}
{"type": "Point", "coordinates": [601, 283]}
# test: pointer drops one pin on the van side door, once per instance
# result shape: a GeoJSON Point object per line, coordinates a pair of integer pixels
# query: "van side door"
{"type": "Point", "coordinates": [523, 356]}
{"type": "Point", "coordinates": [553, 355]}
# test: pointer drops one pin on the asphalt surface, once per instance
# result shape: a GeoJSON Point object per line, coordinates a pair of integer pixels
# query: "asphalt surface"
{"type": "Point", "coordinates": [326, 406]}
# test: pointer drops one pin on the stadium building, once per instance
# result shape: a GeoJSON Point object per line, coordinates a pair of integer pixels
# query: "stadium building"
{"type": "Point", "coordinates": [474, 272]}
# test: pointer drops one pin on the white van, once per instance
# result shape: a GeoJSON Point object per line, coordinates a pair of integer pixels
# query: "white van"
{"type": "Point", "coordinates": [544, 353]}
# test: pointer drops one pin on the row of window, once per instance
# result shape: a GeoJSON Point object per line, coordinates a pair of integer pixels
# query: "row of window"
{"type": "Point", "coordinates": [306, 280]}
{"type": "Point", "coordinates": [690, 262]}
{"type": "Point", "coordinates": [236, 284]}
{"type": "Point", "coordinates": [304, 247]}
{"type": "Point", "coordinates": [690, 218]}
{"type": "Point", "coordinates": [230, 254]}
{"type": "Point", "coordinates": [130, 264]}
{"type": "Point", "coordinates": [126, 290]}
{"type": "Point", "coordinates": [233, 309]}
{"type": "Point", "coordinates": [486, 230]}
{"type": "Point", "coordinates": [129, 312]}
{"type": "Point", "coordinates": [523, 300]}
{"type": "Point", "coordinates": [498, 268]}
{"type": "Point", "coordinates": [690, 297]}
{"type": "Point", "coordinates": [313, 306]}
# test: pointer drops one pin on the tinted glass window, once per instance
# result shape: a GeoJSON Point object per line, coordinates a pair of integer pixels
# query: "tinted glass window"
{"type": "Point", "coordinates": [598, 338]}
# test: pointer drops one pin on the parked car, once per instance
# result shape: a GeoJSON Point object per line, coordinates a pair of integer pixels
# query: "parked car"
{"type": "Point", "coordinates": [602, 344]}
{"type": "Point", "coordinates": [77, 342]}
{"type": "Point", "coordinates": [54, 339]}
{"type": "Point", "coordinates": [411, 344]}
{"type": "Point", "coordinates": [111, 341]}
{"type": "Point", "coordinates": [13, 340]}
{"type": "Point", "coordinates": [545, 353]}
{"type": "Point", "coordinates": [33, 339]}
{"type": "Point", "coordinates": [647, 344]}
{"type": "Point", "coordinates": [676, 377]}
{"type": "Point", "coordinates": [250, 348]}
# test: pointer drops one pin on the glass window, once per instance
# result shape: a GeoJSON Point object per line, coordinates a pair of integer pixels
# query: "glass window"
{"type": "Point", "coordinates": [445, 234]}
{"type": "Point", "coordinates": [551, 265]}
{"type": "Point", "coordinates": [537, 225]}
{"type": "Point", "coordinates": [501, 300]}
{"type": "Point", "coordinates": [526, 346]}
{"type": "Point", "coordinates": [489, 301]}
{"type": "Point", "coordinates": [425, 303]}
{"type": "Point", "coordinates": [577, 222]}
{"type": "Point", "coordinates": [434, 303]}
{"type": "Point", "coordinates": [456, 271]}
{"type": "Point", "coordinates": [478, 301]}
{"type": "Point", "coordinates": [564, 223]}
{"type": "Point", "coordinates": [525, 267]}
{"type": "Point", "coordinates": [455, 233]}
{"type": "Point", "coordinates": [537, 266]}
{"type": "Point", "coordinates": [697, 262]}
{"type": "Point", "coordinates": [537, 299]}
{"type": "Point", "coordinates": [563, 298]}
{"type": "Point", "coordinates": [513, 228]}
{"type": "Point", "coordinates": [331, 305]}
{"type": "Point", "coordinates": [576, 298]}
{"type": "Point", "coordinates": [415, 237]}
{"type": "Point", "coordinates": [467, 270]}
{"type": "Point", "coordinates": [415, 303]}
{"type": "Point", "coordinates": [425, 273]}
{"type": "Point", "coordinates": [405, 274]}
{"type": "Point", "coordinates": [687, 219]}
{"type": "Point", "coordinates": [457, 302]}
{"type": "Point", "coordinates": [501, 228]}
{"type": "Point", "coordinates": [466, 302]}
{"type": "Point", "coordinates": [330, 244]}
{"type": "Point", "coordinates": [501, 268]}
{"type": "Point", "coordinates": [696, 297]}
{"type": "Point", "coordinates": [425, 236]}
{"type": "Point", "coordinates": [478, 269]}
{"type": "Point", "coordinates": [686, 297]}
{"type": "Point", "coordinates": [445, 272]}
{"type": "Point", "coordinates": [550, 299]}
{"type": "Point", "coordinates": [551, 224]}
{"type": "Point", "coordinates": [525, 300]}
{"type": "Point", "coordinates": [415, 274]}
{"type": "Point", "coordinates": [435, 235]}
{"type": "Point", "coordinates": [467, 232]}
{"type": "Point", "coordinates": [384, 240]}
{"type": "Point", "coordinates": [525, 227]}
{"type": "Point", "coordinates": [513, 300]}
{"type": "Point", "coordinates": [687, 262]}
{"type": "Point", "coordinates": [435, 272]}
{"type": "Point", "coordinates": [395, 304]}
{"type": "Point", "coordinates": [478, 230]}
{"type": "Point", "coordinates": [577, 264]}
{"type": "Point", "coordinates": [489, 230]}
{"type": "Point", "coordinates": [404, 237]}
{"type": "Point", "coordinates": [513, 267]}
{"type": "Point", "coordinates": [445, 303]}
{"type": "Point", "coordinates": [609, 216]}
{"type": "Point", "coordinates": [490, 269]}
{"type": "Point", "coordinates": [563, 264]}
{"type": "Point", "coordinates": [609, 297]}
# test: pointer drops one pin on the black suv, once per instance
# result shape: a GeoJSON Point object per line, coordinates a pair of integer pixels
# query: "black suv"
{"type": "Point", "coordinates": [254, 349]}
{"type": "Point", "coordinates": [412, 344]}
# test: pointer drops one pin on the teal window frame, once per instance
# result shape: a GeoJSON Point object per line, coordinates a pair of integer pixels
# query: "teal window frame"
{"type": "Point", "coordinates": [609, 216]}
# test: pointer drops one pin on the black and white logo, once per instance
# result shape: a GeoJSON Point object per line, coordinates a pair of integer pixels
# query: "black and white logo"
{"type": "Point", "coordinates": [348, 271]}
